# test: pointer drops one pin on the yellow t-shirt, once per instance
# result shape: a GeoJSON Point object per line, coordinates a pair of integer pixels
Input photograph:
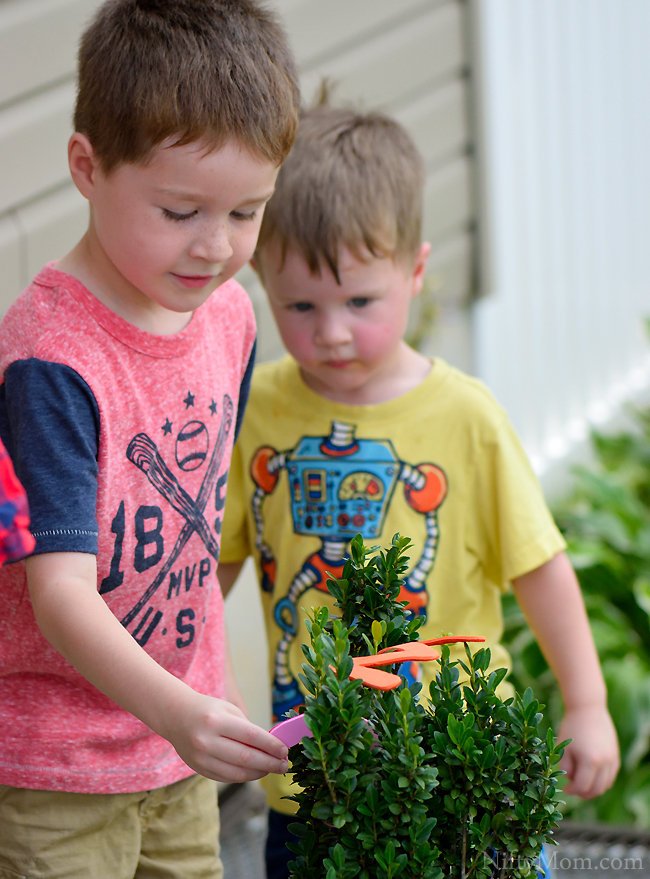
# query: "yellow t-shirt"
{"type": "Point", "coordinates": [441, 465]}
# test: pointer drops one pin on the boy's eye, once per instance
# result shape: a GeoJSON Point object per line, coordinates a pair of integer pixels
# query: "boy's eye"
{"type": "Point", "coordinates": [243, 215]}
{"type": "Point", "coordinates": [301, 306]}
{"type": "Point", "coordinates": [172, 215]}
{"type": "Point", "coordinates": [359, 301]}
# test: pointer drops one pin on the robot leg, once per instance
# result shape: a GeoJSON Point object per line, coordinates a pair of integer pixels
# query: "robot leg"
{"type": "Point", "coordinates": [286, 693]}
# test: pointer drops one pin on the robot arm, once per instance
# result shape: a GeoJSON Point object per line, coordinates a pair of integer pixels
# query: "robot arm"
{"type": "Point", "coordinates": [425, 486]}
{"type": "Point", "coordinates": [265, 469]}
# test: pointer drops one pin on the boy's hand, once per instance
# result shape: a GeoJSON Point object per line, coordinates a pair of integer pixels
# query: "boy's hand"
{"type": "Point", "coordinates": [211, 735]}
{"type": "Point", "coordinates": [216, 740]}
{"type": "Point", "coordinates": [551, 601]}
{"type": "Point", "coordinates": [591, 761]}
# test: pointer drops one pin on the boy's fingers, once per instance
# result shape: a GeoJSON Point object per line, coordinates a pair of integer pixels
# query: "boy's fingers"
{"type": "Point", "coordinates": [241, 730]}
{"type": "Point", "coordinates": [230, 774]}
{"type": "Point", "coordinates": [580, 770]}
{"type": "Point", "coordinates": [603, 780]}
{"type": "Point", "coordinates": [589, 777]}
{"type": "Point", "coordinates": [594, 786]}
{"type": "Point", "coordinates": [235, 753]}
{"type": "Point", "coordinates": [568, 764]}
{"type": "Point", "coordinates": [237, 741]}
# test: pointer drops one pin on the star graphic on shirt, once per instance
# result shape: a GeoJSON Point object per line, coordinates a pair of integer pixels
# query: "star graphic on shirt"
{"type": "Point", "coordinates": [189, 400]}
{"type": "Point", "coordinates": [213, 407]}
{"type": "Point", "coordinates": [167, 427]}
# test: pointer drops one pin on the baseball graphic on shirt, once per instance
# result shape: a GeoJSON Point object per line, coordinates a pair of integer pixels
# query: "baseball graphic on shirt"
{"type": "Point", "coordinates": [192, 445]}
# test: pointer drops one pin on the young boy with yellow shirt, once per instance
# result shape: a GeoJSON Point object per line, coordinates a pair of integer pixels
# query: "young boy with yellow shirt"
{"type": "Point", "coordinates": [355, 432]}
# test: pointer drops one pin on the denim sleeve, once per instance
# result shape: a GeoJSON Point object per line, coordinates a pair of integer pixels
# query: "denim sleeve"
{"type": "Point", "coordinates": [49, 423]}
{"type": "Point", "coordinates": [244, 390]}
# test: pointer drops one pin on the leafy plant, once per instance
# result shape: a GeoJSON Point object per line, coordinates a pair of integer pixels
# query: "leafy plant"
{"type": "Point", "coordinates": [460, 786]}
{"type": "Point", "coordinates": [606, 522]}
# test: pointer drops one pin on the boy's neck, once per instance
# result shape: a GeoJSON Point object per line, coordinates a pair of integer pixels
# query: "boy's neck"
{"type": "Point", "coordinates": [394, 378]}
{"type": "Point", "coordinates": [88, 263]}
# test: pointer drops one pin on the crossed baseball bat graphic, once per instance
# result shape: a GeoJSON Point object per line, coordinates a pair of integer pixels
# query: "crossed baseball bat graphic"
{"type": "Point", "coordinates": [143, 452]}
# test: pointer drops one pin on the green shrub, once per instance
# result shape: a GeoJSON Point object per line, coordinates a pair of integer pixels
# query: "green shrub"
{"type": "Point", "coordinates": [459, 787]}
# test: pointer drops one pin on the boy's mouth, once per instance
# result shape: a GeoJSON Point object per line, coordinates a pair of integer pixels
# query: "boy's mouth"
{"type": "Point", "coordinates": [339, 364]}
{"type": "Point", "coordinates": [193, 281]}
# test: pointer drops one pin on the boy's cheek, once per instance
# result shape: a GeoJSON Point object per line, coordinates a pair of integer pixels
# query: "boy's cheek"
{"type": "Point", "coordinates": [244, 246]}
{"type": "Point", "coordinates": [297, 344]}
{"type": "Point", "coordinates": [291, 332]}
{"type": "Point", "coordinates": [371, 338]}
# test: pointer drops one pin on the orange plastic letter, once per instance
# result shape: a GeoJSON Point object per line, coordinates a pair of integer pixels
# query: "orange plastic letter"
{"type": "Point", "coordinates": [365, 668]}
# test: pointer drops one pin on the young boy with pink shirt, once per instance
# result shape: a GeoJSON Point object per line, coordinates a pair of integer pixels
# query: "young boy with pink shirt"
{"type": "Point", "coordinates": [125, 375]}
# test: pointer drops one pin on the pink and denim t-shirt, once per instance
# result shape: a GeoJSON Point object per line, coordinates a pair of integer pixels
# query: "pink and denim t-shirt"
{"type": "Point", "coordinates": [122, 440]}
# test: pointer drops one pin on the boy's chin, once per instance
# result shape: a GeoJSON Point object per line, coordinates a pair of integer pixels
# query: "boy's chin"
{"type": "Point", "coordinates": [335, 379]}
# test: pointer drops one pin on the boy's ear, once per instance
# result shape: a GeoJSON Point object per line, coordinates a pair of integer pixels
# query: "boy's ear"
{"type": "Point", "coordinates": [419, 268]}
{"type": "Point", "coordinates": [83, 164]}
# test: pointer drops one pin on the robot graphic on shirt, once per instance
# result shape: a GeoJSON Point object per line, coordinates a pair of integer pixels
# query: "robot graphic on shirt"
{"type": "Point", "coordinates": [339, 486]}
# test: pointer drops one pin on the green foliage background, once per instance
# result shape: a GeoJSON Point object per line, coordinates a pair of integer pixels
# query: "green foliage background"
{"type": "Point", "coordinates": [606, 522]}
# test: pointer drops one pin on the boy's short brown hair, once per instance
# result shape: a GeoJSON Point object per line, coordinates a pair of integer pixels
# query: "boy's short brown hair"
{"type": "Point", "coordinates": [189, 69]}
{"type": "Point", "coordinates": [352, 180]}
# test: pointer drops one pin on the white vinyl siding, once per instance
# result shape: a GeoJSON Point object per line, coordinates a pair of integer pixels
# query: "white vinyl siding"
{"type": "Point", "coordinates": [33, 138]}
{"type": "Point", "coordinates": [38, 42]}
{"type": "Point", "coordinates": [41, 213]}
{"type": "Point", "coordinates": [566, 109]}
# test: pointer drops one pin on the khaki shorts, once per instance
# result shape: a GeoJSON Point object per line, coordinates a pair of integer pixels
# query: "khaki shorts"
{"type": "Point", "coordinates": [168, 833]}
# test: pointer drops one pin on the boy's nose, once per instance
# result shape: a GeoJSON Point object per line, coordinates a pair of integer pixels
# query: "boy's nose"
{"type": "Point", "coordinates": [212, 245]}
{"type": "Point", "coordinates": [332, 330]}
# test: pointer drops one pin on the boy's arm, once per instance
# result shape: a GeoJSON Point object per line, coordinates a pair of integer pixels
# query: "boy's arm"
{"type": "Point", "coordinates": [227, 574]}
{"type": "Point", "coordinates": [209, 734]}
{"type": "Point", "coordinates": [233, 693]}
{"type": "Point", "coordinates": [551, 601]}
